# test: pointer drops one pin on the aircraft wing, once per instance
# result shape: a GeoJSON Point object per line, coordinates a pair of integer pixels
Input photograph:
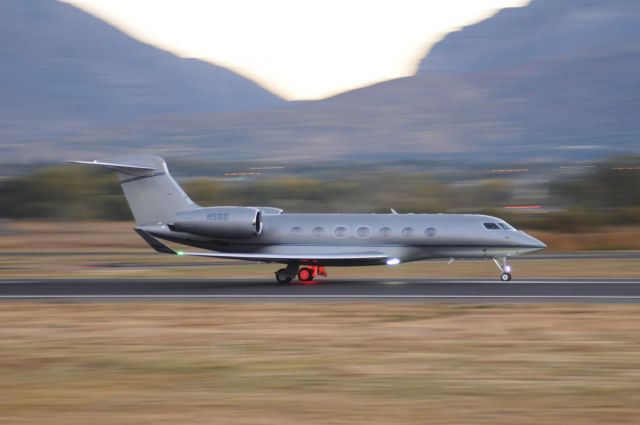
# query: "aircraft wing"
{"type": "Point", "coordinates": [364, 257]}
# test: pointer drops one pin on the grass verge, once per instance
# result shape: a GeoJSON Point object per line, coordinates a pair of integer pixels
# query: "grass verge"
{"type": "Point", "coordinates": [290, 363]}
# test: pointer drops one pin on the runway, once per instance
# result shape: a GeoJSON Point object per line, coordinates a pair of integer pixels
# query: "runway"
{"type": "Point", "coordinates": [418, 290]}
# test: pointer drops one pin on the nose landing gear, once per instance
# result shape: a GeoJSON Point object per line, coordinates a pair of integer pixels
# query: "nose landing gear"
{"type": "Point", "coordinates": [505, 269]}
{"type": "Point", "coordinates": [505, 276]}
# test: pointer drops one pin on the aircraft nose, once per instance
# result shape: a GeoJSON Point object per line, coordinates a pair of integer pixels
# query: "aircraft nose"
{"type": "Point", "coordinates": [534, 243]}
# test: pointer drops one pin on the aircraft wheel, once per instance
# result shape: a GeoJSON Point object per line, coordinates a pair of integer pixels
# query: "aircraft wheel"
{"type": "Point", "coordinates": [505, 277]}
{"type": "Point", "coordinates": [305, 274]}
{"type": "Point", "coordinates": [282, 277]}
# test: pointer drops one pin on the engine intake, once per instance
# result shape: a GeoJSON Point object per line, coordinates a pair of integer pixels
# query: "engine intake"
{"type": "Point", "coordinates": [220, 222]}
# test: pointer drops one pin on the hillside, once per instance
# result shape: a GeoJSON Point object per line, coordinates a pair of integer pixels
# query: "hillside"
{"type": "Point", "coordinates": [544, 30]}
{"type": "Point", "coordinates": [58, 63]}
{"type": "Point", "coordinates": [568, 108]}
{"type": "Point", "coordinates": [551, 81]}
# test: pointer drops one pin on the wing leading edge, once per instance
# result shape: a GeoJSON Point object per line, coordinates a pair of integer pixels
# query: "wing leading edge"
{"type": "Point", "coordinates": [123, 168]}
{"type": "Point", "coordinates": [346, 258]}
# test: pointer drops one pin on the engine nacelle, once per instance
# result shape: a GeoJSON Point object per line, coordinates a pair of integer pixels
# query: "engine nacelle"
{"type": "Point", "coordinates": [219, 222]}
{"type": "Point", "coordinates": [270, 210]}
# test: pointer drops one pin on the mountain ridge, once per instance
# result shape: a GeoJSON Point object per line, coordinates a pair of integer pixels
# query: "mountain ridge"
{"type": "Point", "coordinates": [542, 30]}
{"type": "Point", "coordinates": [61, 63]}
{"type": "Point", "coordinates": [574, 105]}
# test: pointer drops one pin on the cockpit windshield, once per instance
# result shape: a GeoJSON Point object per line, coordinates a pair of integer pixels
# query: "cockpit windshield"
{"type": "Point", "coordinates": [497, 226]}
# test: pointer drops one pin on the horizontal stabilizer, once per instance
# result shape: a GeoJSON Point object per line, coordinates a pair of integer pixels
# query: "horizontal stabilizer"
{"type": "Point", "coordinates": [123, 168]}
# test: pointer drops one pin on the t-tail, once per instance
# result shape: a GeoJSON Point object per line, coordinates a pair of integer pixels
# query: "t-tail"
{"type": "Point", "coordinates": [153, 195]}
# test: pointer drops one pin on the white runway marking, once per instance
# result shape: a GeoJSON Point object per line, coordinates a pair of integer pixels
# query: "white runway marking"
{"type": "Point", "coordinates": [19, 281]}
{"type": "Point", "coordinates": [523, 282]}
{"type": "Point", "coordinates": [329, 296]}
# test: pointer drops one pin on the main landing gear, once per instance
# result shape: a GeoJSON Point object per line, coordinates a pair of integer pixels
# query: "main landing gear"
{"type": "Point", "coordinates": [282, 277]}
{"type": "Point", "coordinates": [505, 269]}
{"type": "Point", "coordinates": [305, 274]}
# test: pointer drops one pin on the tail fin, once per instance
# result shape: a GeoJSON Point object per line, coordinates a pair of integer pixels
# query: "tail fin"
{"type": "Point", "coordinates": [153, 195]}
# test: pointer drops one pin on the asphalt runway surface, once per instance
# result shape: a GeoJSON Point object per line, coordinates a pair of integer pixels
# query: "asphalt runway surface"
{"type": "Point", "coordinates": [419, 290]}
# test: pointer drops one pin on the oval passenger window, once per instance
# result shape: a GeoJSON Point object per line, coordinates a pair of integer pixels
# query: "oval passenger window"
{"type": "Point", "coordinates": [318, 231]}
{"type": "Point", "coordinates": [341, 232]}
{"type": "Point", "coordinates": [385, 232]}
{"type": "Point", "coordinates": [363, 232]}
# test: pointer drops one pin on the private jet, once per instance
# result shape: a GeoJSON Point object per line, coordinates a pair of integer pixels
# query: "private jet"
{"type": "Point", "coordinates": [304, 243]}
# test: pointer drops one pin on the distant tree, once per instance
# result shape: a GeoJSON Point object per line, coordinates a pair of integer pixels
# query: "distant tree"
{"type": "Point", "coordinates": [64, 193]}
{"type": "Point", "coordinates": [613, 184]}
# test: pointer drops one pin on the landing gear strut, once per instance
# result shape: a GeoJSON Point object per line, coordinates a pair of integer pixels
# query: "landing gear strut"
{"type": "Point", "coordinates": [505, 269]}
{"type": "Point", "coordinates": [286, 275]}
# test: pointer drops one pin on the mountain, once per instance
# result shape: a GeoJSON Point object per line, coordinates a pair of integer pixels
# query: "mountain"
{"type": "Point", "coordinates": [60, 64]}
{"type": "Point", "coordinates": [513, 93]}
{"type": "Point", "coordinates": [556, 80]}
{"type": "Point", "coordinates": [550, 110]}
{"type": "Point", "coordinates": [544, 30]}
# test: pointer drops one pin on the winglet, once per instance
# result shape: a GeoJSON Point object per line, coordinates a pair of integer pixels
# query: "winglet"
{"type": "Point", "coordinates": [155, 243]}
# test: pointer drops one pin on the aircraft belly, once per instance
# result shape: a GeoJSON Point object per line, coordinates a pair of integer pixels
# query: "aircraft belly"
{"type": "Point", "coordinates": [404, 254]}
{"type": "Point", "coordinates": [476, 252]}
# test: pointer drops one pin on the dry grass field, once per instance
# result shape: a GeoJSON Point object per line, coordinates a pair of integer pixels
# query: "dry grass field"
{"type": "Point", "coordinates": [293, 363]}
{"type": "Point", "coordinates": [289, 363]}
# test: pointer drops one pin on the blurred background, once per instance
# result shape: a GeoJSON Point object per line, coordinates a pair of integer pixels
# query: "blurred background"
{"type": "Point", "coordinates": [529, 112]}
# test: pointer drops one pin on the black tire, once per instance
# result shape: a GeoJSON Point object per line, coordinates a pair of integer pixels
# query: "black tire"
{"type": "Point", "coordinates": [505, 277]}
{"type": "Point", "coordinates": [305, 274]}
{"type": "Point", "coordinates": [283, 278]}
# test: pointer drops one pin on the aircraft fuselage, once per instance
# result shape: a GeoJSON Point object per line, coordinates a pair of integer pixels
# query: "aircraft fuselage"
{"type": "Point", "coordinates": [407, 237]}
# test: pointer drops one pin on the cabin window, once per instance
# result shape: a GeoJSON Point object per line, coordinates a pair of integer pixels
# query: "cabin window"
{"type": "Point", "coordinates": [407, 232]}
{"type": "Point", "coordinates": [341, 232]}
{"type": "Point", "coordinates": [296, 231]}
{"type": "Point", "coordinates": [491, 226]}
{"type": "Point", "coordinates": [318, 231]}
{"type": "Point", "coordinates": [363, 232]}
{"type": "Point", "coordinates": [430, 232]}
{"type": "Point", "coordinates": [385, 232]}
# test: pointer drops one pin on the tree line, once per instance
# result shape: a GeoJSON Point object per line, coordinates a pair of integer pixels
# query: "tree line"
{"type": "Point", "coordinates": [608, 194]}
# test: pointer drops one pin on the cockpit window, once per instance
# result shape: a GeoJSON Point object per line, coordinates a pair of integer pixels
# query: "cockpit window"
{"type": "Point", "coordinates": [491, 226]}
{"type": "Point", "coordinates": [505, 226]}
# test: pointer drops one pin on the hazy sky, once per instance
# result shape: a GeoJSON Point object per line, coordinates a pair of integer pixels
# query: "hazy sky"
{"type": "Point", "coordinates": [299, 49]}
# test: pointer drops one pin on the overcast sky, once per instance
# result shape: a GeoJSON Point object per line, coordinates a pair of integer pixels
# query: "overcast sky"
{"type": "Point", "coordinates": [299, 49]}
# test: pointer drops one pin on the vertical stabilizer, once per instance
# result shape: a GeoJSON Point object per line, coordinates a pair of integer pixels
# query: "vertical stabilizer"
{"type": "Point", "coordinates": [153, 195]}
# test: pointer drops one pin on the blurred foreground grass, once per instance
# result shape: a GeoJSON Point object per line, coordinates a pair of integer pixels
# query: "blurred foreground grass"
{"type": "Point", "coordinates": [112, 249]}
{"type": "Point", "coordinates": [291, 363]}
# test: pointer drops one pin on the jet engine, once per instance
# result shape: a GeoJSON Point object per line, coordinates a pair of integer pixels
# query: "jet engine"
{"type": "Point", "coordinates": [219, 222]}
